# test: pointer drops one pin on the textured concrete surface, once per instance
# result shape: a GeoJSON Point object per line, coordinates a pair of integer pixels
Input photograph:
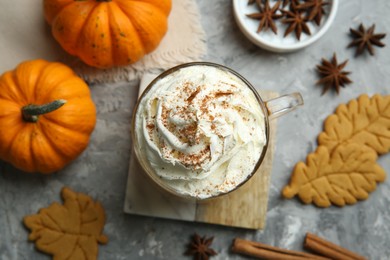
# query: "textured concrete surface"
{"type": "Point", "coordinates": [101, 171]}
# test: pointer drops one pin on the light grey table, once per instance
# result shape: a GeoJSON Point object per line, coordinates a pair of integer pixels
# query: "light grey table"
{"type": "Point", "coordinates": [101, 170]}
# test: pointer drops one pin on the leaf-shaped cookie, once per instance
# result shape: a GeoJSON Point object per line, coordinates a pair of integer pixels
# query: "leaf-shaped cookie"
{"type": "Point", "coordinates": [71, 230]}
{"type": "Point", "coordinates": [342, 177]}
{"type": "Point", "coordinates": [364, 121]}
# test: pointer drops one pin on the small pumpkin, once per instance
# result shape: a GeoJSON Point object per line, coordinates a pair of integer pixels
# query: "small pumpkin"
{"type": "Point", "coordinates": [46, 116]}
{"type": "Point", "coordinates": [107, 33]}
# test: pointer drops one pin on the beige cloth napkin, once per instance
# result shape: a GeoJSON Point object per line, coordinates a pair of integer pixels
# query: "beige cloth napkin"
{"type": "Point", "coordinates": [25, 36]}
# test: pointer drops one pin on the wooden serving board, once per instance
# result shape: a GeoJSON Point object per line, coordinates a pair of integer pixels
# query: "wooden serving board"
{"type": "Point", "coordinates": [245, 208]}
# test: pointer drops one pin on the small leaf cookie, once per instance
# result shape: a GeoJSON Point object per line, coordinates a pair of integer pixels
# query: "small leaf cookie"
{"type": "Point", "coordinates": [342, 177]}
{"type": "Point", "coordinates": [69, 231]}
{"type": "Point", "coordinates": [363, 121]}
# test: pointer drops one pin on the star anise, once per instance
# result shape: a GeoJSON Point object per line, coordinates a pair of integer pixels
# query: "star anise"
{"type": "Point", "coordinates": [364, 39]}
{"type": "Point", "coordinates": [296, 22]}
{"type": "Point", "coordinates": [332, 74]}
{"type": "Point", "coordinates": [266, 16]}
{"type": "Point", "coordinates": [315, 9]}
{"type": "Point", "coordinates": [287, 2]}
{"type": "Point", "coordinates": [200, 247]}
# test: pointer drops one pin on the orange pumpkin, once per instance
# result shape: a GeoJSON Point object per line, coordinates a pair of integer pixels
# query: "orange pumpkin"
{"type": "Point", "coordinates": [107, 33]}
{"type": "Point", "coordinates": [46, 116]}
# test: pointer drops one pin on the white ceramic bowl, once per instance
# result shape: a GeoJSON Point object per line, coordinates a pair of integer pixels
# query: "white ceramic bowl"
{"type": "Point", "coordinates": [277, 43]}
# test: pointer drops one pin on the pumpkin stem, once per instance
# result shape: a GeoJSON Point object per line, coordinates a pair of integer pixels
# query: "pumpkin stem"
{"type": "Point", "coordinates": [31, 112]}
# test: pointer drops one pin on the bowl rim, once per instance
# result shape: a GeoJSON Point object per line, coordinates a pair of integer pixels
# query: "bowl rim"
{"type": "Point", "coordinates": [254, 37]}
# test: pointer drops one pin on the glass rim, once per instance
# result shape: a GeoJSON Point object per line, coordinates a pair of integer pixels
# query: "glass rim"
{"type": "Point", "coordinates": [155, 179]}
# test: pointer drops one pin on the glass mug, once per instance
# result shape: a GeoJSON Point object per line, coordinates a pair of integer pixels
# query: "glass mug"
{"type": "Point", "coordinates": [171, 170]}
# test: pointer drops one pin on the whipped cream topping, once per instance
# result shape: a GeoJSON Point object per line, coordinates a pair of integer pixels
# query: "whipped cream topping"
{"type": "Point", "coordinates": [201, 129]}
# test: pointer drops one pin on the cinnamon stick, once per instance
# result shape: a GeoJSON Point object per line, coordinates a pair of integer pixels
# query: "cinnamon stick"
{"type": "Point", "coordinates": [264, 251]}
{"type": "Point", "coordinates": [328, 249]}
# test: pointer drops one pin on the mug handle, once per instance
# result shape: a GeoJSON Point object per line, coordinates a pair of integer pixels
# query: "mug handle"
{"type": "Point", "coordinates": [279, 106]}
